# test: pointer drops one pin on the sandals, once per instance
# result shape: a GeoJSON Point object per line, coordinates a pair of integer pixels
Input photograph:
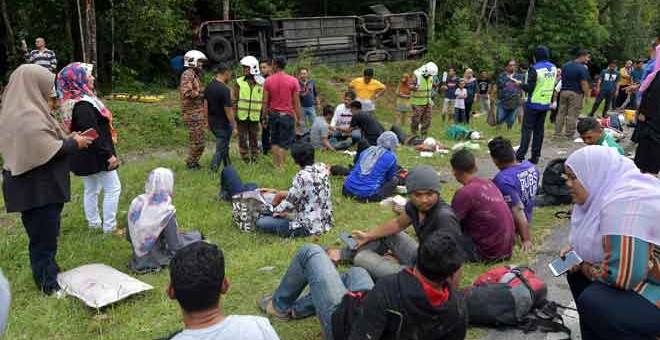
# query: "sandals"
{"type": "Point", "coordinates": [266, 306]}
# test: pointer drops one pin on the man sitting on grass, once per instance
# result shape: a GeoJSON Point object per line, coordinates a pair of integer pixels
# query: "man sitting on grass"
{"type": "Point", "coordinates": [426, 212]}
{"type": "Point", "coordinates": [197, 279]}
{"type": "Point", "coordinates": [486, 221]}
{"type": "Point", "coordinates": [592, 133]}
{"type": "Point", "coordinates": [518, 182]}
{"type": "Point", "coordinates": [419, 302]}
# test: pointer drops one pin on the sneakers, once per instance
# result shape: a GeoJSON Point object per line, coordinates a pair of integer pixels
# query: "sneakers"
{"type": "Point", "coordinates": [266, 306]}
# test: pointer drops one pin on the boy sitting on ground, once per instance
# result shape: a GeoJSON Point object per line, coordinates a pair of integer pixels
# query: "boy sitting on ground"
{"type": "Point", "coordinates": [197, 279]}
{"type": "Point", "coordinates": [592, 133]}
{"type": "Point", "coordinates": [519, 183]}
{"type": "Point", "coordinates": [419, 302]}
{"type": "Point", "coordinates": [486, 221]}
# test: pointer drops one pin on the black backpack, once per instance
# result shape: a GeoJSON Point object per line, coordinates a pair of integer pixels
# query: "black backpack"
{"type": "Point", "coordinates": [553, 186]}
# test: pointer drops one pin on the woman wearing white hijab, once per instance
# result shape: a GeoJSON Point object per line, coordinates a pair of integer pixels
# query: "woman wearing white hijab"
{"type": "Point", "coordinates": [35, 152]}
{"type": "Point", "coordinates": [615, 229]}
{"type": "Point", "coordinates": [152, 227]}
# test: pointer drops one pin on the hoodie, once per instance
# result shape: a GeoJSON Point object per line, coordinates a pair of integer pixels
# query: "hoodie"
{"type": "Point", "coordinates": [399, 307]}
{"type": "Point", "coordinates": [541, 56]}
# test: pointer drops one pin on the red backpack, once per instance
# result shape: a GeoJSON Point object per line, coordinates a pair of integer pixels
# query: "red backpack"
{"type": "Point", "coordinates": [511, 296]}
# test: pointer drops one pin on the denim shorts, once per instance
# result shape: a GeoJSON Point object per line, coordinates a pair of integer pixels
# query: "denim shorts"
{"type": "Point", "coordinates": [282, 129]}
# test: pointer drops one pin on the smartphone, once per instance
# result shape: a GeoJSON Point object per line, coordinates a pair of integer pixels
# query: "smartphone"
{"type": "Point", "coordinates": [560, 265]}
{"type": "Point", "coordinates": [90, 133]}
{"type": "Point", "coordinates": [348, 239]}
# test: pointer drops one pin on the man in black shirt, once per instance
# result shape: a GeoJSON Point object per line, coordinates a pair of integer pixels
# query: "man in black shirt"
{"type": "Point", "coordinates": [426, 211]}
{"type": "Point", "coordinates": [371, 129]}
{"type": "Point", "coordinates": [218, 105]}
{"type": "Point", "coordinates": [418, 303]}
{"type": "Point", "coordinates": [484, 85]}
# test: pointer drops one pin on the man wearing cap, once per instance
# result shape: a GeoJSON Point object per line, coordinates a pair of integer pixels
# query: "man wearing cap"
{"type": "Point", "coordinates": [426, 211]}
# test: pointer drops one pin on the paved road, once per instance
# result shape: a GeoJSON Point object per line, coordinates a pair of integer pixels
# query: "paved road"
{"type": "Point", "coordinates": [558, 290]}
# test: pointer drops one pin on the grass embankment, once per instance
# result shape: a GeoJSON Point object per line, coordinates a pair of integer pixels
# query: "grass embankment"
{"type": "Point", "coordinates": [155, 132]}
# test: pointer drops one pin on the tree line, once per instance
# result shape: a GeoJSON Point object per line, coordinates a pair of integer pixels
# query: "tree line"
{"type": "Point", "coordinates": [130, 39]}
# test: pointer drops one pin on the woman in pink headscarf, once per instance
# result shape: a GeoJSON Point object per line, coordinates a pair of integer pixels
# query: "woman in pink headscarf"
{"type": "Point", "coordinates": [647, 133]}
{"type": "Point", "coordinates": [615, 229]}
{"type": "Point", "coordinates": [82, 111]}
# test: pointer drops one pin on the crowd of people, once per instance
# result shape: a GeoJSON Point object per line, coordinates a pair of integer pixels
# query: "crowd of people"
{"type": "Point", "coordinates": [400, 284]}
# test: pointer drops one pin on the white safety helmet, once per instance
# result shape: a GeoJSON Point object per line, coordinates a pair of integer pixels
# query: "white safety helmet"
{"type": "Point", "coordinates": [429, 69]}
{"type": "Point", "coordinates": [192, 58]}
{"type": "Point", "coordinates": [252, 63]}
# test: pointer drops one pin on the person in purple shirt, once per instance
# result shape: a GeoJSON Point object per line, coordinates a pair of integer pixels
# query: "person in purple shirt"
{"type": "Point", "coordinates": [518, 182]}
{"type": "Point", "coordinates": [486, 220]}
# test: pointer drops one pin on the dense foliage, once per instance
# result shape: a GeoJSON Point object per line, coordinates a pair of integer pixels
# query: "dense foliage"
{"type": "Point", "coordinates": [136, 38]}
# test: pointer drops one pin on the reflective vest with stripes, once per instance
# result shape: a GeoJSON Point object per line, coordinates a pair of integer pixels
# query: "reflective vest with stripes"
{"type": "Point", "coordinates": [249, 100]}
{"type": "Point", "coordinates": [422, 95]}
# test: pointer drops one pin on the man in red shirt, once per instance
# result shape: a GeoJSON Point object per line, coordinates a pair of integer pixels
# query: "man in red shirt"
{"type": "Point", "coordinates": [282, 102]}
{"type": "Point", "coordinates": [486, 220]}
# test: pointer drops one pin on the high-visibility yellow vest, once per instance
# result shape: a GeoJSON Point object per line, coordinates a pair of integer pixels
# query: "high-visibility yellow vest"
{"type": "Point", "coordinates": [546, 74]}
{"type": "Point", "coordinates": [422, 95]}
{"type": "Point", "coordinates": [249, 100]}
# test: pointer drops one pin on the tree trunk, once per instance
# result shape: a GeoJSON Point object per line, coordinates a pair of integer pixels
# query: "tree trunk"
{"type": "Point", "coordinates": [530, 14]}
{"type": "Point", "coordinates": [482, 15]}
{"type": "Point", "coordinates": [90, 25]}
{"type": "Point", "coordinates": [83, 47]}
{"type": "Point", "coordinates": [225, 10]}
{"type": "Point", "coordinates": [8, 28]}
{"type": "Point", "coordinates": [432, 20]}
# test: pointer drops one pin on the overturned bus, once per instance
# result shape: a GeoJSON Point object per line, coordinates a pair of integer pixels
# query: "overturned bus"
{"type": "Point", "coordinates": [382, 36]}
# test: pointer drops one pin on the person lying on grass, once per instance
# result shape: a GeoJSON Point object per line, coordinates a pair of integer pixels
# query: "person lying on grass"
{"type": "Point", "coordinates": [519, 183]}
{"type": "Point", "coordinates": [373, 178]}
{"type": "Point", "coordinates": [152, 228]}
{"type": "Point", "coordinates": [197, 279]}
{"type": "Point", "coordinates": [592, 133]}
{"type": "Point", "coordinates": [486, 221]}
{"type": "Point", "coordinates": [425, 211]}
{"type": "Point", "coordinates": [419, 302]}
{"type": "Point", "coordinates": [306, 209]}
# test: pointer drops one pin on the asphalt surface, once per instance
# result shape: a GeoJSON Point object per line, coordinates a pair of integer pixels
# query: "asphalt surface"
{"type": "Point", "coordinates": [558, 290]}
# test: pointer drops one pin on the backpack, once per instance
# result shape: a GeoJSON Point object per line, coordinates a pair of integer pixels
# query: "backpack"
{"type": "Point", "coordinates": [247, 207]}
{"type": "Point", "coordinates": [553, 185]}
{"type": "Point", "coordinates": [511, 296]}
{"type": "Point", "coordinates": [458, 132]}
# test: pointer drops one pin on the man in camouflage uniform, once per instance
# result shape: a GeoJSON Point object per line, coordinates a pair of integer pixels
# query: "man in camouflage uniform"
{"type": "Point", "coordinates": [192, 106]}
{"type": "Point", "coordinates": [421, 99]}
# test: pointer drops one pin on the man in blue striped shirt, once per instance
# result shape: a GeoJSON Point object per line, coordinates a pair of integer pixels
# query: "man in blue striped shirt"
{"type": "Point", "coordinates": [41, 56]}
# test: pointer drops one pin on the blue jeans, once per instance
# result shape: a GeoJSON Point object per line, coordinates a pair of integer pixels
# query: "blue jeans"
{"type": "Point", "coordinates": [309, 113]}
{"type": "Point", "coordinates": [506, 115]}
{"type": "Point", "coordinates": [222, 141]}
{"type": "Point", "coordinates": [279, 226]}
{"type": "Point", "coordinates": [341, 142]}
{"type": "Point", "coordinates": [312, 266]}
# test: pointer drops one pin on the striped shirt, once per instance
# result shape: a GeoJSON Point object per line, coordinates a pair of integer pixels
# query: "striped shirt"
{"type": "Point", "coordinates": [631, 264]}
{"type": "Point", "coordinates": [46, 59]}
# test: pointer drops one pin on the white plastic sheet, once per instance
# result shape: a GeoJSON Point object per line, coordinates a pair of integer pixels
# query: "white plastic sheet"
{"type": "Point", "coordinates": [99, 285]}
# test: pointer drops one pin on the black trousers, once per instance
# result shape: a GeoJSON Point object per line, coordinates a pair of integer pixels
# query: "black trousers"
{"type": "Point", "coordinates": [608, 100]}
{"type": "Point", "coordinates": [609, 313]}
{"type": "Point", "coordinates": [43, 228]}
{"type": "Point", "coordinates": [265, 139]}
{"type": "Point", "coordinates": [533, 128]}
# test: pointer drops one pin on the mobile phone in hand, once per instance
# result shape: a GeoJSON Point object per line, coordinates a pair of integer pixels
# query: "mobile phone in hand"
{"type": "Point", "coordinates": [349, 240]}
{"type": "Point", "coordinates": [560, 265]}
{"type": "Point", "coordinates": [90, 134]}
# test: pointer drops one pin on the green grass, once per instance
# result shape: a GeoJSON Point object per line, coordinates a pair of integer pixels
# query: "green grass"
{"type": "Point", "coordinates": [154, 131]}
